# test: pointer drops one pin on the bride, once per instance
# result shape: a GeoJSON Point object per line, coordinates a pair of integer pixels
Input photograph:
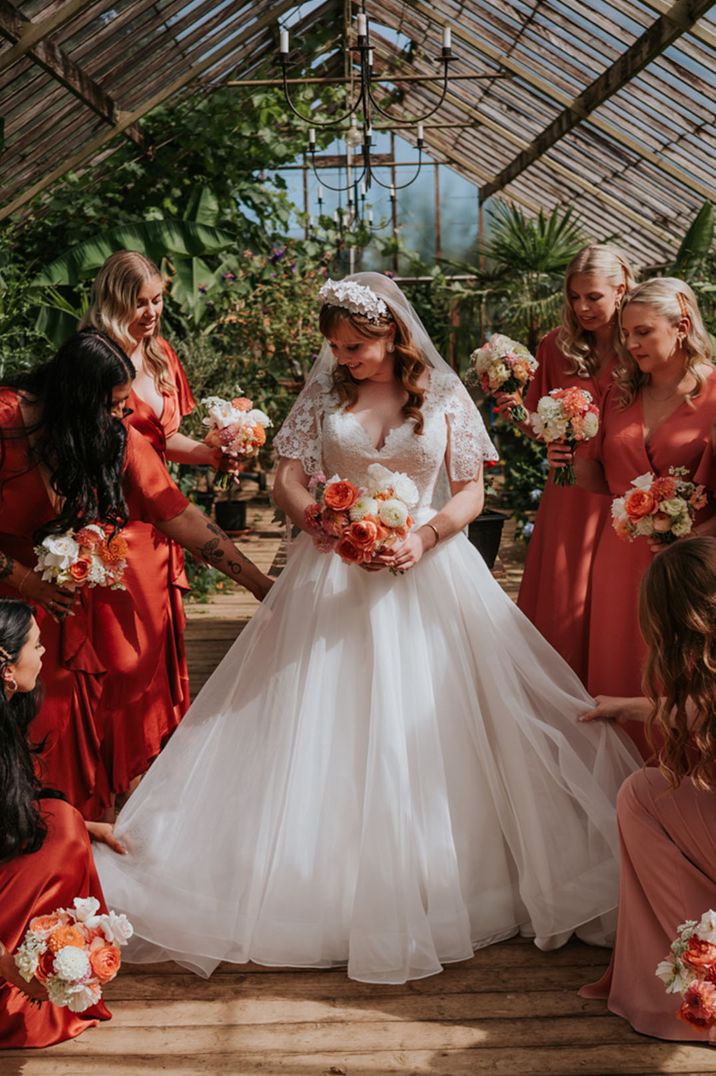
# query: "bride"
{"type": "Point", "coordinates": [386, 770]}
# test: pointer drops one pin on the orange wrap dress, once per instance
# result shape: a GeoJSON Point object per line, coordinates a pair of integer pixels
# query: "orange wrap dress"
{"type": "Point", "coordinates": [37, 884]}
{"type": "Point", "coordinates": [554, 592]}
{"type": "Point", "coordinates": [84, 647]}
{"type": "Point", "coordinates": [141, 630]}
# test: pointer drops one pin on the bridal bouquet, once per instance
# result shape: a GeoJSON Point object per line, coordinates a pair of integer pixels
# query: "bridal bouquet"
{"type": "Point", "coordinates": [359, 522]}
{"type": "Point", "coordinates": [661, 509]}
{"type": "Point", "coordinates": [690, 970]}
{"type": "Point", "coordinates": [73, 952]}
{"type": "Point", "coordinates": [565, 415]}
{"type": "Point", "coordinates": [503, 365]}
{"type": "Point", "coordinates": [91, 556]}
{"type": "Point", "coordinates": [236, 427]}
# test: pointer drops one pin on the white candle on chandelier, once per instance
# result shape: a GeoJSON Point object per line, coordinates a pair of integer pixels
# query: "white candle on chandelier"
{"type": "Point", "coordinates": [447, 37]}
{"type": "Point", "coordinates": [283, 41]}
{"type": "Point", "coordinates": [362, 25]}
{"type": "Point", "coordinates": [392, 193]}
{"type": "Point", "coordinates": [320, 194]}
{"type": "Point", "coordinates": [312, 136]}
{"type": "Point", "coordinates": [370, 57]}
{"type": "Point", "coordinates": [421, 132]}
{"type": "Point", "coordinates": [362, 188]}
{"type": "Point", "coordinates": [370, 216]}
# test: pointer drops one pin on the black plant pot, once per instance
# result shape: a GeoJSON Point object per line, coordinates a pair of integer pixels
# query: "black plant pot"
{"type": "Point", "coordinates": [231, 515]}
{"type": "Point", "coordinates": [204, 498]}
{"type": "Point", "coordinates": [485, 533]}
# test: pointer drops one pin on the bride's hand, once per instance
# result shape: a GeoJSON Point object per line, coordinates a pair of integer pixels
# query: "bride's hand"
{"type": "Point", "coordinates": [407, 554]}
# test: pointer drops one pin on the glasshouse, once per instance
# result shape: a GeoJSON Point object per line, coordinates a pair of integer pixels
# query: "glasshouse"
{"type": "Point", "coordinates": [357, 356]}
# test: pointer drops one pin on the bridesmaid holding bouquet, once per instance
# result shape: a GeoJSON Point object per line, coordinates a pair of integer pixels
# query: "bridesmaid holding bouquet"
{"type": "Point", "coordinates": [580, 353]}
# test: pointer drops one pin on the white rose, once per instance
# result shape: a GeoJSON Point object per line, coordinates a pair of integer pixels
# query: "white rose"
{"type": "Point", "coordinates": [591, 425]}
{"type": "Point", "coordinates": [116, 928]}
{"type": "Point", "coordinates": [258, 418]}
{"type": "Point", "coordinates": [379, 478]}
{"type": "Point", "coordinates": [82, 996]}
{"type": "Point", "coordinates": [674, 506]}
{"type": "Point", "coordinates": [72, 963]}
{"type": "Point", "coordinates": [60, 551]}
{"type": "Point", "coordinates": [85, 910]}
{"type": "Point", "coordinates": [644, 481]}
{"type": "Point", "coordinates": [393, 513]}
{"type": "Point", "coordinates": [364, 506]}
{"type": "Point", "coordinates": [618, 509]}
{"type": "Point", "coordinates": [706, 930]}
{"type": "Point", "coordinates": [405, 489]}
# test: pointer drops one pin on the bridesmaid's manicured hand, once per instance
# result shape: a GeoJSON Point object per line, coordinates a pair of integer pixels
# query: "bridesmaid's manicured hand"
{"type": "Point", "coordinates": [103, 833]}
{"type": "Point", "coordinates": [559, 454]}
{"type": "Point", "coordinates": [58, 601]}
{"type": "Point", "coordinates": [618, 708]}
{"type": "Point", "coordinates": [8, 970]}
{"type": "Point", "coordinates": [507, 401]}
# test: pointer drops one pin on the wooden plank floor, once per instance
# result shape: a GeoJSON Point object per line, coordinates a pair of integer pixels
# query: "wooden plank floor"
{"type": "Point", "coordinates": [510, 1010]}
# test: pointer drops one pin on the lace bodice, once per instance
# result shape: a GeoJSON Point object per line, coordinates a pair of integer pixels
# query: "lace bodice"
{"type": "Point", "coordinates": [324, 436]}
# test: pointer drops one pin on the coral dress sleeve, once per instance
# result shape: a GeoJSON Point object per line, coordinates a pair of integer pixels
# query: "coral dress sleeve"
{"type": "Point", "coordinates": [544, 379]}
{"type": "Point", "coordinates": [186, 400]}
{"type": "Point", "coordinates": [593, 449]}
{"type": "Point", "coordinates": [37, 884]}
{"type": "Point", "coordinates": [150, 493]}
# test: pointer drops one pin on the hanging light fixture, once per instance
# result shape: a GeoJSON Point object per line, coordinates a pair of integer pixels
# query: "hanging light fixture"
{"type": "Point", "coordinates": [356, 123]}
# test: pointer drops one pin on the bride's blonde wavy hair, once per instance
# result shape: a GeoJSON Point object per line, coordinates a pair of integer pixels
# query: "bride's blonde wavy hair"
{"type": "Point", "coordinates": [606, 262]}
{"type": "Point", "coordinates": [673, 299]}
{"type": "Point", "coordinates": [409, 362]}
{"type": "Point", "coordinates": [677, 611]}
{"type": "Point", "coordinates": [113, 303]}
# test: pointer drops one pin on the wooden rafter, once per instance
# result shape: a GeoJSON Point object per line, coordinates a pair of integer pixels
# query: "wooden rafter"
{"type": "Point", "coordinates": [680, 17]}
{"type": "Point", "coordinates": [57, 64]}
{"type": "Point", "coordinates": [36, 31]}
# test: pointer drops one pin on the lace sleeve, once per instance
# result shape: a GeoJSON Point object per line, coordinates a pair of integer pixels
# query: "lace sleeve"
{"type": "Point", "coordinates": [300, 436]}
{"type": "Point", "coordinates": [470, 445]}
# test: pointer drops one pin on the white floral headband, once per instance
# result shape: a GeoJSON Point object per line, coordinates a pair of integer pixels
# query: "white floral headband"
{"type": "Point", "coordinates": [350, 295]}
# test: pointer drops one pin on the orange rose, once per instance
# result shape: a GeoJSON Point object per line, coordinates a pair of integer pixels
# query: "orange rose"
{"type": "Point", "coordinates": [80, 570]}
{"type": "Point", "coordinates": [45, 966]}
{"type": "Point", "coordinates": [363, 534]}
{"type": "Point", "coordinates": [341, 495]}
{"type": "Point", "coordinates": [639, 503]}
{"type": "Point", "coordinates": [42, 923]}
{"type": "Point", "coordinates": [241, 403]}
{"type": "Point", "coordinates": [351, 554]}
{"type": "Point", "coordinates": [700, 954]}
{"type": "Point", "coordinates": [259, 436]}
{"type": "Point", "coordinates": [66, 936]}
{"type": "Point", "coordinates": [105, 962]}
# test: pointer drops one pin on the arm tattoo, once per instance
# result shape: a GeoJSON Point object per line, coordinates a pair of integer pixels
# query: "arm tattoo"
{"type": "Point", "coordinates": [213, 555]}
{"type": "Point", "coordinates": [7, 566]}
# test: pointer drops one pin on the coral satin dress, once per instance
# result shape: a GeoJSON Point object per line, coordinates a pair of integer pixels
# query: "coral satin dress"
{"type": "Point", "coordinates": [141, 638]}
{"type": "Point", "coordinates": [683, 439]}
{"type": "Point", "coordinates": [554, 593]}
{"type": "Point", "coordinates": [81, 649]}
{"type": "Point", "coordinates": [38, 884]}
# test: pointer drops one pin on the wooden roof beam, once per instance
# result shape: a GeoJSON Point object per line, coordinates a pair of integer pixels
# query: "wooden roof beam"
{"type": "Point", "coordinates": [33, 32]}
{"type": "Point", "coordinates": [680, 17]}
{"type": "Point", "coordinates": [59, 65]}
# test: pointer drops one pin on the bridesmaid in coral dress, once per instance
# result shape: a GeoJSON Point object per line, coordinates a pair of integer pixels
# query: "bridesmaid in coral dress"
{"type": "Point", "coordinates": [667, 816]}
{"type": "Point", "coordinates": [42, 488]}
{"type": "Point", "coordinates": [659, 414]}
{"type": "Point", "coordinates": [146, 691]}
{"type": "Point", "coordinates": [45, 857]}
{"type": "Point", "coordinates": [554, 589]}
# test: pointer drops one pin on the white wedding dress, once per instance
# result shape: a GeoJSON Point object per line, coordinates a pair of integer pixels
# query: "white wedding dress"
{"type": "Point", "coordinates": [384, 771]}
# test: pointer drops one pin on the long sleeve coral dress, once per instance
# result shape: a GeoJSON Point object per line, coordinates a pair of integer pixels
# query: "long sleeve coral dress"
{"type": "Point", "coordinates": [683, 439]}
{"type": "Point", "coordinates": [84, 647]}
{"type": "Point", "coordinates": [554, 592]}
{"type": "Point", "coordinates": [37, 884]}
{"type": "Point", "coordinates": [141, 636]}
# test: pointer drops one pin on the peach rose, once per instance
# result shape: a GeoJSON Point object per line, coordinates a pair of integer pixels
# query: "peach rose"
{"type": "Point", "coordinates": [67, 936]}
{"type": "Point", "coordinates": [105, 962]}
{"type": "Point", "coordinates": [699, 954]}
{"type": "Point", "coordinates": [241, 403]}
{"type": "Point", "coordinates": [258, 436]}
{"type": "Point", "coordinates": [364, 534]}
{"type": "Point", "coordinates": [663, 488]}
{"type": "Point", "coordinates": [639, 503]}
{"type": "Point", "coordinates": [44, 924]}
{"type": "Point", "coordinates": [341, 495]}
{"type": "Point", "coordinates": [699, 1005]}
{"type": "Point", "coordinates": [45, 966]}
{"type": "Point", "coordinates": [351, 554]}
{"type": "Point", "coordinates": [334, 523]}
{"type": "Point", "coordinates": [88, 538]}
{"type": "Point", "coordinates": [80, 570]}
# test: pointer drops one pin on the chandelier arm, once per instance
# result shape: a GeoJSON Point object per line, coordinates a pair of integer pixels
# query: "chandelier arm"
{"type": "Point", "coordinates": [311, 120]}
{"type": "Point", "coordinates": [400, 186]}
{"type": "Point", "coordinates": [413, 119]}
{"type": "Point", "coordinates": [337, 190]}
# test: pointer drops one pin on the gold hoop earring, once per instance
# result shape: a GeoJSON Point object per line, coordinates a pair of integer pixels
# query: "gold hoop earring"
{"type": "Point", "coordinates": [9, 684]}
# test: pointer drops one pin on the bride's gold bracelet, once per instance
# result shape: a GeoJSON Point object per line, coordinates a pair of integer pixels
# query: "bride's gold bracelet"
{"type": "Point", "coordinates": [435, 531]}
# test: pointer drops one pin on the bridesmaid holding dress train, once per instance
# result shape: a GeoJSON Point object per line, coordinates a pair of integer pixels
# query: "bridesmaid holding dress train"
{"type": "Point", "coordinates": [580, 353]}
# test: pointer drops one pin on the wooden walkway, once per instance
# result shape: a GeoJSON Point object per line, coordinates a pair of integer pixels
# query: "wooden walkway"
{"type": "Point", "coordinates": [510, 1010]}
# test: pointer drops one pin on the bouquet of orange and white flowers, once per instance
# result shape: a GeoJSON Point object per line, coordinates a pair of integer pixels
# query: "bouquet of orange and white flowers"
{"type": "Point", "coordinates": [73, 952]}
{"type": "Point", "coordinates": [565, 415]}
{"type": "Point", "coordinates": [690, 970]}
{"type": "Point", "coordinates": [92, 556]}
{"type": "Point", "coordinates": [503, 365]}
{"type": "Point", "coordinates": [236, 427]}
{"type": "Point", "coordinates": [659, 508]}
{"type": "Point", "coordinates": [359, 522]}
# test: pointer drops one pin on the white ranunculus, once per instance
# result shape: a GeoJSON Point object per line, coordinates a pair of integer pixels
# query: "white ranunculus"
{"type": "Point", "coordinates": [116, 928]}
{"type": "Point", "coordinates": [591, 425]}
{"type": "Point", "coordinates": [393, 513]}
{"type": "Point", "coordinates": [674, 506]}
{"type": "Point", "coordinates": [549, 409]}
{"type": "Point", "coordinates": [706, 930]}
{"type": "Point", "coordinates": [72, 963]}
{"type": "Point", "coordinates": [364, 506]}
{"type": "Point", "coordinates": [60, 551]}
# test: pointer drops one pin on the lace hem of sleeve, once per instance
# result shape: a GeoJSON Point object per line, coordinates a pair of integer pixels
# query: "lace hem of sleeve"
{"type": "Point", "coordinates": [300, 436]}
{"type": "Point", "coordinates": [470, 445]}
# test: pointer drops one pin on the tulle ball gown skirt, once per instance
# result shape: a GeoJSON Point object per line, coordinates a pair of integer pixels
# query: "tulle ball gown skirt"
{"type": "Point", "coordinates": [385, 772]}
